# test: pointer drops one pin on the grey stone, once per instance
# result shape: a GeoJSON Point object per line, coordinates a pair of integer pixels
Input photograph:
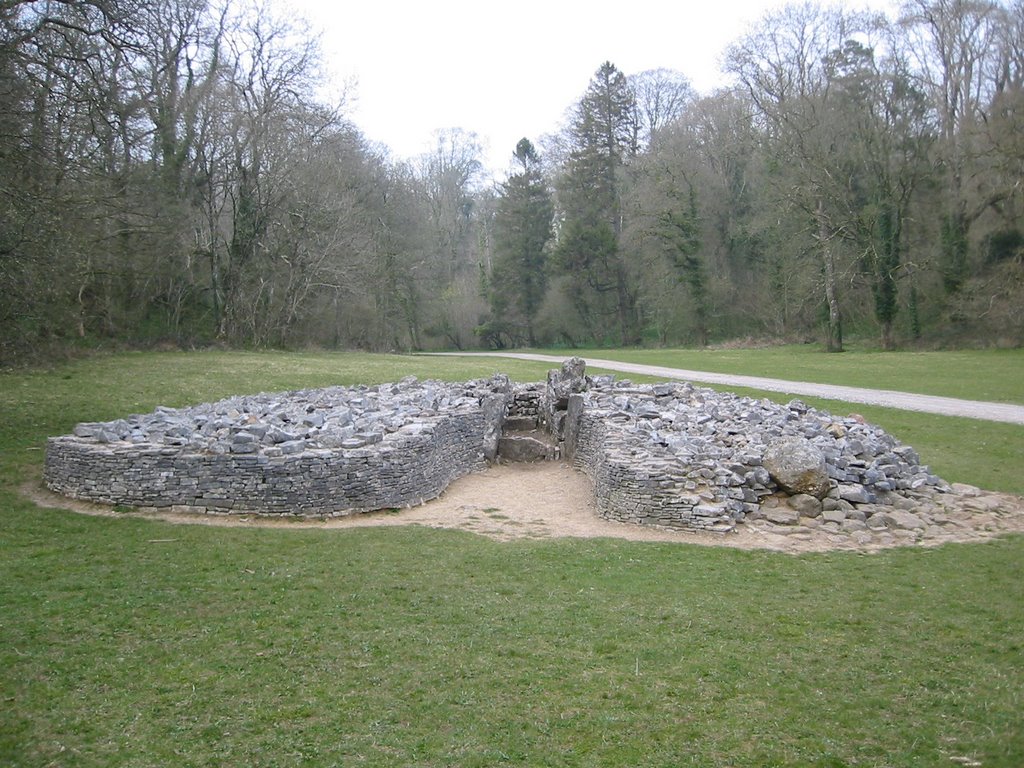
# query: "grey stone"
{"type": "Point", "coordinates": [569, 379]}
{"type": "Point", "coordinates": [833, 516]}
{"type": "Point", "coordinates": [520, 424]}
{"type": "Point", "coordinates": [782, 516]}
{"type": "Point", "coordinates": [896, 520]}
{"type": "Point", "coordinates": [906, 520]}
{"type": "Point", "coordinates": [907, 454]}
{"type": "Point", "coordinates": [861, 538]}
{"type": "Point", "coordinates": [313, 419]}
{"type": "Point", "coordinates": [855, 494]}
{"type": "Point", "coordinates": [879, 521]}
{"type": "Point", "coordinates": [805, 504]}
{"type": "Point", "coordinates": [836, 503]}
{"type": "Point", "coordinates": [493, 407]}
{"type": "Point", "coordinates": [962, 489]}
{"type": "Point", "coordinates": [901, 502]}
{"type": "Point", "coordinates": [556, 422]}
{"type": "Point", "coordinates": [524, 448]}
{"type": "Point", "coordinates": [278, 435]}
{"type": "Point", "coordinates": [571, 426]}
{"type": "Point", "coordinates": [797, 466]}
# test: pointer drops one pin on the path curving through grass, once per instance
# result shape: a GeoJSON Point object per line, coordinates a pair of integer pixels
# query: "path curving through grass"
{"type": "Point", "coordinates": [1006, 413]}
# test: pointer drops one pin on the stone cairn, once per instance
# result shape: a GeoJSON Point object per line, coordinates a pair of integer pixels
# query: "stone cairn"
{"type": "Point", "coordinates": [667, 454]}
{"type": "Point", "coordinates": [680, 456]}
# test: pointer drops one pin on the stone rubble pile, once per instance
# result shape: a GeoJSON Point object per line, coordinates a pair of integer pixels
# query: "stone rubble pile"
{"type": "Point", "coordinates": [277, 424]}
{"type": "Point", "coordinates": [667, 454]}
{"type": "Point", "coordinates": [677, 455]}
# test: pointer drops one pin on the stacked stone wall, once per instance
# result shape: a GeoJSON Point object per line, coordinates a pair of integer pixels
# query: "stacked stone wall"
{"type": "Point", "coordinates": [523, 412]}
{"type": "Point", "coordinates": [398, 466]}
{"type": "Point", "coordinates": [679, 456]}
{"type": "Point", "coordinates": [633, 484]}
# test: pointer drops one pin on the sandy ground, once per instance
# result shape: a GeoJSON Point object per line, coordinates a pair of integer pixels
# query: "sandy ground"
{"type": "Point", "coordinates": [552, 500]}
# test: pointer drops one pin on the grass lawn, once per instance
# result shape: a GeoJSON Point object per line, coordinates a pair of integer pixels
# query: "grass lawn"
{"type": "Point", "coordinates": [125, 642]}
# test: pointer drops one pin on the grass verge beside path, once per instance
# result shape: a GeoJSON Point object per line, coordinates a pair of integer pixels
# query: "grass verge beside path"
{"type": "Point", "coordinates": [127, 642]}
{"type": "Point", "coordinates": [991, 375]}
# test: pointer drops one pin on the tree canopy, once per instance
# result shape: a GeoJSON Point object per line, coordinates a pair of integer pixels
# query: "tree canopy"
{"type": "Point", "coordinates": [168, 174]}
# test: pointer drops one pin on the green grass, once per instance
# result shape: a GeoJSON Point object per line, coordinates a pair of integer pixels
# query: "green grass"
{"type": "Point", "coordinates": [126, 642]}
{"type": "Point", "coordinates": [993, 375]}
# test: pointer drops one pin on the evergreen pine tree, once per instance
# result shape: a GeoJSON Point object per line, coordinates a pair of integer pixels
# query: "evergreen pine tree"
{"type": "Point", "coordinates": [603, 137]}
{"type": "Point", "coordinates": [522, 229]}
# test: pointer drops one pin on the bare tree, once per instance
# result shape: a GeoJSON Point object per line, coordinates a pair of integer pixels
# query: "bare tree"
{"type": "Point", "coordinates": [662, 95]}
{"type": "Point", "coordinates": [782, 68]}
{"type": "Point", "coordinates": [448, 176]}
{"type": "Point", "coordinates": [954, 44]}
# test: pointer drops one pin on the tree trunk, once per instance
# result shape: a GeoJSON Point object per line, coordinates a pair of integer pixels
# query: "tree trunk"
{"type": "Point", "coordinates": [627, 308]}
{"type": "Point", "coordinates": [702, 325]}
{"type": "Point", "coordinates": [888, 343]}
{"type": "Point", "coordinates": [834, 338]}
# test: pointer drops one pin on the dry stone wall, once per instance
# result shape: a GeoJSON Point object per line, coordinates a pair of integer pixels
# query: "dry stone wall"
{"type": "Point", "coordinates": [524, 437]}
{"type": "Point", "coordinates": [332, 451]}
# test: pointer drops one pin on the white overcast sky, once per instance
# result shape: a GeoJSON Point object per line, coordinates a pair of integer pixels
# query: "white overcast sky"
{"type": "Point", "coordinates": [505, 70]}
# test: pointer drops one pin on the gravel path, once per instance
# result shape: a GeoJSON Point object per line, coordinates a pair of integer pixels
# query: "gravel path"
{"type": "Point", "coordinates": [945, 406]}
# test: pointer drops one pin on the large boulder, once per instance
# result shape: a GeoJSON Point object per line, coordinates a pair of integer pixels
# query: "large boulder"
{"type": "Point", "coordinates": [797, 466]}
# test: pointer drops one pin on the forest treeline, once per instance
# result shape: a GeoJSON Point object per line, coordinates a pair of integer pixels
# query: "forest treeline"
{"type": "Point", "coordinates": [170, 171]}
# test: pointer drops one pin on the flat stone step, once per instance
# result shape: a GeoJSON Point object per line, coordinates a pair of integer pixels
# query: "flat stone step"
{"type": "Point", "coordinates": [521, 424]}
{"type": "Point", "coordinates": [526, 447]}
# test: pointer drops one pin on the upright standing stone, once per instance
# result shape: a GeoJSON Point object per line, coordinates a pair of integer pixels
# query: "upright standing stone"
{"type": "Point", "coordinates": [572, 425]}
{"type": "Point", "coordinates": [570, 379]}
{"type": "Point", "coordinates": [493, 407]}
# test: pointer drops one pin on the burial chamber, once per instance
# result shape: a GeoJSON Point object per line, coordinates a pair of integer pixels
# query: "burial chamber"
{"type": "Point", "coordinates": [667, 454]}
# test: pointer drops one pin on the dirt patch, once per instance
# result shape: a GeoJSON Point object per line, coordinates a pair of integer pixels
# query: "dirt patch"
{"type": "Point", "coordinates": [552, 500]}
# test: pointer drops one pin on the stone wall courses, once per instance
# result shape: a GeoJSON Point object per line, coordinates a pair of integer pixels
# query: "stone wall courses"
{"type": "Point", "coordinates": [676, 455]}
{"type": "Point", "coordinates": [323, 452]}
